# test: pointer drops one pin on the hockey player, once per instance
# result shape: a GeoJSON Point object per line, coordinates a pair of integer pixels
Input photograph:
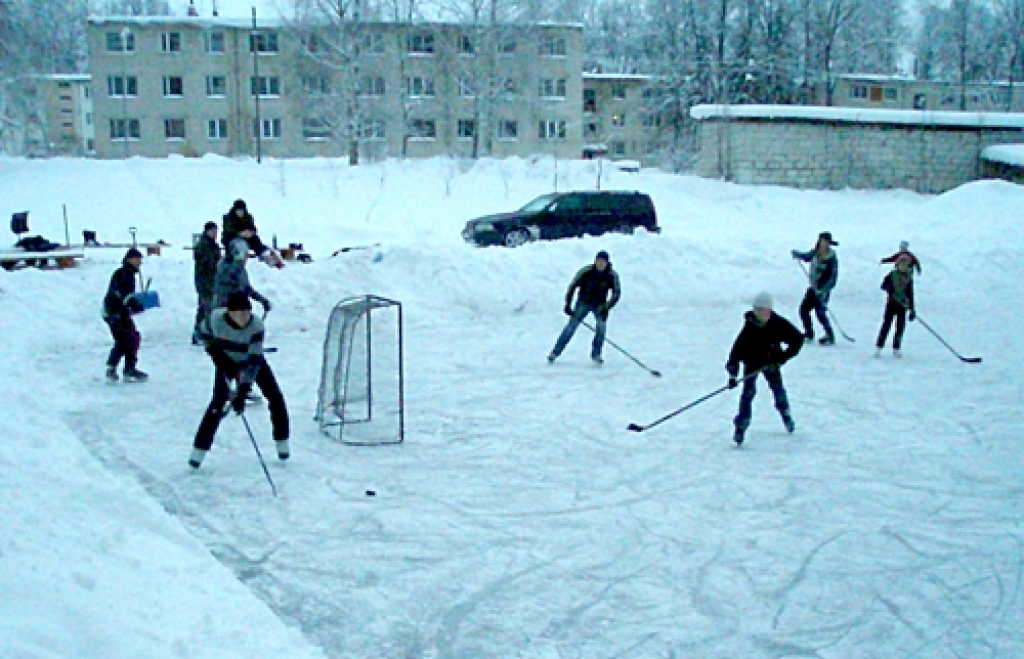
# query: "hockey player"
{"type": "Point", "coordinates": [759, 347]}
{"type": "Point", "coordinates": [232, 277]}
{"type": "Point", "coordinates": [206, 255]}
{"type": "Point", "coordinates": [119, 305]}
{"type": "Point", "coordinates": [594, 283]}
{"type": "Point", "coordinates": [904, 249]}
{"type": "Point", "coordinates": [234, 341]}
{"type": "Point", "coordinates": [239, 218]}
{"type": "Point", "coordinates": [822, 277]}
{"type": "Point", "coordinates": [899, 288]}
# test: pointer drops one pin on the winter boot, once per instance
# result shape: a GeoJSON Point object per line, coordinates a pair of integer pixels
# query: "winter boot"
{"type": "Point", "coordinates": [827, 340]}
{"type": "Point", "coordinates": [112, 374]}
{"type": "Point", "coordinates": [132, 374]}
{"type": "Point", "coordinates": [597, 359]}
{"type": "Point", "coordinates": [196, 459]}
{"type": "Point", "coordinates": [787, 421]}
{"type": "Point", "coordinates": [552, 357]}
{"type": "Point", "coordinates": [808, 336]}
{"type": "Point", "coordinates": [738, 437]}
{"type": "Point", "coordinates": [282, 449]}
{"type": "Point", "coordinates": [878, 352]}
{"type": "Point", "coordinates": [897, 353]}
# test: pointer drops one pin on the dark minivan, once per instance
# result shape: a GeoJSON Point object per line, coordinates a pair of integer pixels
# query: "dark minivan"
{"type": "Point", "coordinates": [565, 215]}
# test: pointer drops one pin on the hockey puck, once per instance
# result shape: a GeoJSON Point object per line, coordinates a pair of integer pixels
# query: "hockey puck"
{"type": "Point", "coordinates": [371, 493]}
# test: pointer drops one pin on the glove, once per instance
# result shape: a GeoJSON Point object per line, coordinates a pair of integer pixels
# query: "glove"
{"type": "Point", "coordinates": [134, 305]}
{"type": "Point", "coordinates": [266, 306]}
{"type": "Point", "coordinates": [795, 254]}
{"type": "Point", "coordinates": [238, 402]}
{"type": "Point", "coordinates": [602, 311]}
{"type": "Point", "coordinates": [913, 316]}
{"type": "Point", "coordinates": [567, 309]}
{"type": "Point", "coordinates": [733, 382]}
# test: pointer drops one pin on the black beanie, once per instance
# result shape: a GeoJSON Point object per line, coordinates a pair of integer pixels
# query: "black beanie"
{"type": "Point", "coordinates": [209, 225]}
{"type": "Point", "coordinates": [238, 301]}
{"type": "Point", "coordinates": [133, 254]}
{"type": "Point", "coordinates": [602, 255]}
{"type": "Point", "coordinates": [238, 204]}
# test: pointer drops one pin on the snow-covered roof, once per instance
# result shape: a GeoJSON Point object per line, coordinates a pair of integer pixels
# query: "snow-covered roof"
{"type": "Point", "coordinates": [617, 76]}
{"type": "Point", "coordinates": [876, 77]}
{"type": "Point", "coordinates": [1010, 154]}
{"type": "Point", "coordinates": [270, 22]}
{"type": "Point", "coordinates": [860, 116]}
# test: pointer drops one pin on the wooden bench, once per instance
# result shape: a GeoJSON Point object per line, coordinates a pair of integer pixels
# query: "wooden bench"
{"type": "Point", "coordinates": [63, 258]}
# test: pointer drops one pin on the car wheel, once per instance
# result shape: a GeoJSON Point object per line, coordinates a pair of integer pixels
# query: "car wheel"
{"type": "Point", "coordinates": [516, 238]}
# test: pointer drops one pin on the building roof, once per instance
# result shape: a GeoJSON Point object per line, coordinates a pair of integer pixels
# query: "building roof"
{"type": "Point", "coordinates": [240, 22]}
{"type": "Point", "coordinates": [639, 77]}
{"type": "Point", "coordinates": [860, 115]}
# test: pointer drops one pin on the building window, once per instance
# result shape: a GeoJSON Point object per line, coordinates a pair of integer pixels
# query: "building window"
{"type": "Point", "coordinates": [265, 86]}
{"type": "Point", "coordinates": [552, 88]}
{"type": "Point", "coordinates": [315, 86]}
{"type": "Point", "coordinates": [619, 91]}
{"type": "Point", "coordinates": [87, 91]}
{"type": "Point", "coordinates": [416, 87]}
{"type": "Point", "coordinates": [466, 87]}
{"type": "Point", "coordinates": [88, 118]}
{"type": "Point", "coordinates": [174, 86]}
{"type": "Point", "coordinates": [65, 98]}
{"type": "Point", "coordinates": [420, 43]}
{"type": "Point", "coordinates": [466, 46]}
{"type": "Point", "coordinates": [551, 130]}
{"type": "Point", "coordinates": [372, 43]}
{"type": "Point", "coordinates": [553, 47]}
{"type": "Point", "coordinates": [590, 100]}
{"type": "Point", "coordinates": [271, 129]}
{"type": "Point", "coordinates": [423, 129]}
{"type": "Point", "coordinates": [508, 47]}
{"type": "Point", "coordinates": [263, 42]}
{"type": "Point", "coordinates": [214, 42]}
{"type": "Point", "coordinates": [859, 92]}
{"type": "Point", "coordinates": [116, 45]}
{"type": "Point", "coordinates": [217, 129]}
{"type": "Point", "coordinates": [890, 94]}
{"type": "Point", "coordinates": [618, 149]}
{"type": "Point", "coordinates": [216, 86]}
{"type": "Point", "coordinates": [920, 101]}
{"type": "Point", "coordinates": [371, 129]}
{"type": "Point", "coordinates": [311, 43]}
{"type": "Point", "coordinates": [504, 87]}
{"type": "Point", "coordinates": [314, 128]}
{"type": "Point", "coordinates": [116, 86]}
{"type": "Point", "coordinates": [508, 129]}
{"type": "Point", "coordinates": [650, 148]}
{"type": "Point", "coordinates": [651, 120]}
{"type": "Point", "coordinates": [619, 120]}
{"type": "Point", "coordinates": [372, 86]}
{"type": "Point", "coordinates": [118, 129]}
{"type": "Point", "coordinates": [170, 42]}
{"type": "Point", "coordinates": [466, 129]}
{"type": "Point", "coordinates": [174, 129]}
{"type": "Point", "coordinates": [876, 94]}
{"type": "Point", "coordinates": [591, 129]}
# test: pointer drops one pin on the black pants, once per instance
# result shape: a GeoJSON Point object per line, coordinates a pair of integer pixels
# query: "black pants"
{"type": "Point", "coordinates": [893, 309]}
{"type": "Point", "coordinates": [810, 302]}
{"type": "Point", "coordinates": [126, 342]}
{"type": "Point", "coordinates": [267, 383]}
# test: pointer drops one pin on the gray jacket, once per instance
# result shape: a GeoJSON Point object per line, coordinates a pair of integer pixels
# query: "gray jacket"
{"type": "Point", "coordinates": [232, 276]}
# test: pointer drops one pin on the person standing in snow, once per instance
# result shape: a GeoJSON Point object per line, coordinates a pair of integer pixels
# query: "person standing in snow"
{"type": "Point", "coordinates": [234, 341]}
{"type": "Point", "coordinates": [119, 305]}
{"type": "Point", "coordinates": [238, 219]}
{"type": "Point", "coordinates": [899, 288]}
{"type": "Point", "coordinates": [904, 250]}
{"type": "Point", "coordinates": [822, 277]}
{"type": "Point", "coordinates": [232, 277]}
{"type": "Point", "coordinates": [759, 348]}
{"type": "Point", "coordinates": [594, 282]}
{"type": "Point", "coordinates": [206, 255]}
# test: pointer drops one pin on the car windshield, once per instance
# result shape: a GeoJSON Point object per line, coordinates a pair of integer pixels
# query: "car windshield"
{"type": "Point", "coordinates": [538, 204]}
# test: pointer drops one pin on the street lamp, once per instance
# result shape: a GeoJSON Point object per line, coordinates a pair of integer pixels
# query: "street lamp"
{"type": "Point", "coordinates": [125, 33]}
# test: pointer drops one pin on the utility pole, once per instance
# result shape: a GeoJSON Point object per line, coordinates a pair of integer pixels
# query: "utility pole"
{"type": "Point", "coordinates": [254, 44]}
{"type": "Point", "coordinates": [125, 33]}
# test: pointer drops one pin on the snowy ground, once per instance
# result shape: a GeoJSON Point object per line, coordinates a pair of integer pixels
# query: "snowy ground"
{"type": "Point", "coordinates": [520, 518]}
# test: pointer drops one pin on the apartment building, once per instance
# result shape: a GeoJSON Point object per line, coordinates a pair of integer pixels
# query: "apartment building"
{"type": "Point", "coordinates": [907, 93]}
{"type": "Point", "coordinates": [57, 115]}
{"type": "Point", "coordinates": [620, 117]}
{"type": "Point", "coordinates": [196, 85]}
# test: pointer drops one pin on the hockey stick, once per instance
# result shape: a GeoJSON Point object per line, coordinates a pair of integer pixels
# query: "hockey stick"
{"type": "Point", "coordinates": [270, 480]}
{"type": "Point", "coordinates": [656, 374]}
{"type": "Point", "coordinates": [828, 310]}
{"type": "Point", "coordinates": [967, 360]}
{"type": "Point", "coordinates": [636, 427]}
{"type": "Point", "coordinates": [353, 248]}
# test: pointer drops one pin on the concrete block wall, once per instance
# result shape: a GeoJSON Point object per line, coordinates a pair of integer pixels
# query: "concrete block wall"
{"type": "Point", "coordinates": [811, 153]}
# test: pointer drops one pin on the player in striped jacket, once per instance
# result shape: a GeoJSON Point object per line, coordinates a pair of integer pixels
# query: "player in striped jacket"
{"type": "Point", "coordinates": [234, 340]}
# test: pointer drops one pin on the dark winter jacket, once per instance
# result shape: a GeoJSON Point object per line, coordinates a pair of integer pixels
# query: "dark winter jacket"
{"type": "Point", "coordinates": [119, 302]}
{"type": "Point", "coordinates": [234, 349]}
{"type": "Point", "coordinates": [233, 224]}
{"type": "Point", "coordinates": [594, 286]}
{"type": "Point", "coordinates": [232, 276]}
{"type": "Point", "coordinates": [760, 344]}
{"type": "Point", "coordinates": [206, 255]}
{"type": "Point", "coordinates": [900, 287]}
{"type": "Point", "coordinates": [914, 263]}
{"type": "Point", "coordinates": [823, 273]}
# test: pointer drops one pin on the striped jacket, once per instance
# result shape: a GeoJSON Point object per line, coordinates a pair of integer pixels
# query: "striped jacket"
{"type": "Point", "coordinates": [234, 349]}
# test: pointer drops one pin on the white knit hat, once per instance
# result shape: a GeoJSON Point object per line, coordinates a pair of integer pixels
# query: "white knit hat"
{"type": "Point", "coordinates": [762, 300]}
{"type": "Point", "coordinates": [904, 245]}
